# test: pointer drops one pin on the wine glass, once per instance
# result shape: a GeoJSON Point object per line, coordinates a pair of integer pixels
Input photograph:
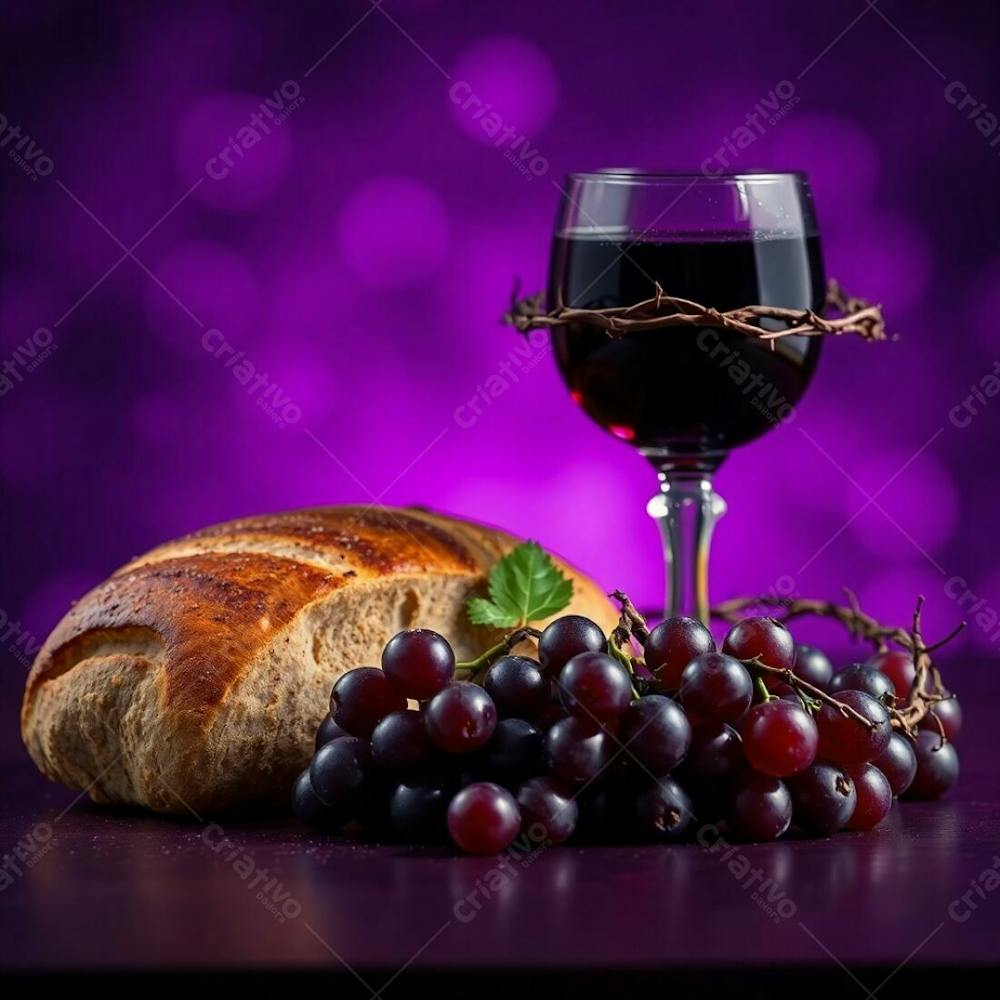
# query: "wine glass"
{"type": "Point", "coordinates": [684, 396]}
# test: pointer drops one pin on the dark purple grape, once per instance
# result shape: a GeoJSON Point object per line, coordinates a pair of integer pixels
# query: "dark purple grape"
{"type": "Point", "coordinates": [671, 646]}
{"type": "Point", "coordinates": [862, 677]}
{"type": "Point", "coordinates": [655, 730]}
{"type": "Point", "coordinates": [518, 687]}
{"type": "Point", "coordinates": [949, 713]}
{"type": "Point", "coordinates": [567, 637]}
{"type": "Point", "coordinates": [361, 698]}
{"type": "Point", "coordinates": [823, 799]}
{"type": "Point", "coordinates": [764, 639]}
{"type": "Point", "coordinates": [461, 718]}
{"type": "Point", "coordinates": [624, 771]}
{"type": "Point", "coordinates": [847, 741]}
{"type": "Point", "coordinates": [456, 771]}
{"type": "Point", "coordinates": [310, 810]}
{"type": "Point", "coordinates": [418, 663]}
{"type": "Point", "coordinates": [599, 815]}
{"type": "Point", "coordinates": [328, 730]}
{"type": "Point", "coordinates": [661, 811]}
{"type": "Point", "coordinates": [761, 807]}
{"type": "Point", "coordinates": [813, 666]}
{"type": "Point", "coordinates": [898, 666]}
{"type": "Point", "coordinates": [552, 714]}
{"type": "Point", "coordinates": [898, 763]}
{"type": "Point", "coordinates": [400, 744]}
{"type": "Point", "coordinates": [576, 752]}
{"type": "Point", "coordinates": [339, 772]}
{"type": "Point", "coordinates": [779, 738]}
{"type": "Point", "coordinates": [937, 767]}
{"type": "Point", "coordinates": [514, 752]}
{"type": "Point", "coordinates": [548, 810]}
{"type": "Point", "coordinates": [417, 810]}
{"type": "Point", "coordinates": [874, 797]}
{"type": "Point", "coordinates": [372, 810]}
{"type": "Point", "coordinates": [595, 687]}
{"type": "Point", "coordinates": [483, 819]}
{"type": "Point", "coordinates": [715, 756]}
{"type": "Point", "coordinates": [715, 688]}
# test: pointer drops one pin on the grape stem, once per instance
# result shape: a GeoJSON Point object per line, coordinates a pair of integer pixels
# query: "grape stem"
{"type": "Point", "coordinates": [803, 687]}
{"type": "Point", "coordinates": [765, 695]}
{"type": "Point", "coordinates": [502, 648]}
{"type": "Point", "coordinates": [927, 688]}
{"type": "Point", "coordinates": [811, 705]}
{"type": "Point", "coordinates": [630, 624]}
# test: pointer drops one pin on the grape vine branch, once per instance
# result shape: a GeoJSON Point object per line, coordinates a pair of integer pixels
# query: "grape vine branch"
{"type": "Point", "coordinates": [473, 668]}
{"type": "Point", "coordinates": [928, 689]}
{"type": "Point", "coordinates": [857, 316]}
{"type": "Point", "coordinates": [633, 624]}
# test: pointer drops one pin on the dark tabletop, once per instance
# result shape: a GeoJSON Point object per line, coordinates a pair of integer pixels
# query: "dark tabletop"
{"type": "Point", "coordinates": [89, 889]}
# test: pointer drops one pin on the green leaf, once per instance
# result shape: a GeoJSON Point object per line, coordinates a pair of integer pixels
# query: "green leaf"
{"type": "Point", "coordinates": [483, 612]}
{"type": "Point", "coordinates": [525, 586]}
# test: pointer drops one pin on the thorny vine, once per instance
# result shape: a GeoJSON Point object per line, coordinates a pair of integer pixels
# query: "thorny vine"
{"type": "Point", "coordinates": [857, 316]}
{"type": "Point", "coordinates": [928, 689]}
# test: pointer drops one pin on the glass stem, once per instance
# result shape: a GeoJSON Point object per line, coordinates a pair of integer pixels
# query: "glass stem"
{"type": "Point", "coordinates": [686, 509]}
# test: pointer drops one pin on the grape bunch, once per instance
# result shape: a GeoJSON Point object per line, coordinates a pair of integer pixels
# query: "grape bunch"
{"type": "Point", "coordinates": [590, 742]}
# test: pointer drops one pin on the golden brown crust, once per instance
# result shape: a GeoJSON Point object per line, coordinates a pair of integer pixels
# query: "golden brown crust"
{"type": "Point", "coordinates": [214, 610]}
{"type": "Point", "coordinates": [212, 613]}
{"type": "Point", "coordinates": [222, 645]}
{"type": "Point", "coordinates": [373, 541]}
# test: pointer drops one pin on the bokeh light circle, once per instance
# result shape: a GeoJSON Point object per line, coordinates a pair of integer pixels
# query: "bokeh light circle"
{"type": "Point", "coordinates": [236, 146]}
{"type": "Point", "coordinates": [919, 498]}
{"type": "Point", "coordinates": [393, 232]}
{"type": "Point", "coordinates": [513, 77]}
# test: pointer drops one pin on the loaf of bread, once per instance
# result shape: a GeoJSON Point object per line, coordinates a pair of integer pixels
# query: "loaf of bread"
{"type": "Point", "coordinates": [193, 679]}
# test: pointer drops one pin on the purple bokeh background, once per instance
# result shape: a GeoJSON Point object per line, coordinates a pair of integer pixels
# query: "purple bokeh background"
{"type": "Point", "coordinates": [359, 254]}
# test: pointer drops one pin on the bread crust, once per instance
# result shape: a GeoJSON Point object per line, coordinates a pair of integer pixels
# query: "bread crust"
{"type": "Point", "coordinates": [193, 679]}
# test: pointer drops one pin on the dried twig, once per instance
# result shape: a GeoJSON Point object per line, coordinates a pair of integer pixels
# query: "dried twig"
{"type": "Point", "coordinates": [858, 317]}
{"type": "Point", "coordinates": [927, 689]}
{"type": "Point", "coordinates": [804, 687]}
{"type": "Point", "coordinates": [631, 623]}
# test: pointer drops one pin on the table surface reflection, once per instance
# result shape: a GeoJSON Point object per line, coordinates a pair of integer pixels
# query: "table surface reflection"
{"type": "Point", "coordinates": [96, 889]}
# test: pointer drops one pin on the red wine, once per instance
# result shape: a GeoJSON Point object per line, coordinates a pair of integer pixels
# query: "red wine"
{"type": "Point", "coordinates": [691, 393]}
